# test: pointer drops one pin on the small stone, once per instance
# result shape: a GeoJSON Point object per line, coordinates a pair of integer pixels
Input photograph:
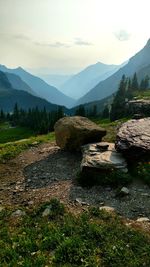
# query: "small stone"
{"type": "Point", "coordinates": [46, 212]}
{"type": "Point", "coordinates": [79, 200]}
{"type": "Point", "coordinates": [30, 203]}
{"type": "Point", "coordinates": [124, 191]}
{"type": "Point", "coordinates": [18, 213]}
{"type": "Point", "coordinates": [107, 208]}
{"type": "Point", "coordinates": [145, 195]}
{"type": "Point", "coordinates": [143, 219]}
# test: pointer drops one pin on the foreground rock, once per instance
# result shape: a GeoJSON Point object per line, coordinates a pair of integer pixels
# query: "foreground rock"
{"type": "Point", "coordinates": [73, 132]}
{"type": "Point", "coordinates": [102, 156]}
{"type": "Point", "coordinates": [133, 138]}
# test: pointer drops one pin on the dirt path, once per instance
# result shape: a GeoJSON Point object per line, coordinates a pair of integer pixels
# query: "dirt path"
{"type": "Point", "coordinates": [37, 175]}
{"type": "Point", "coordinates": [45, 172]}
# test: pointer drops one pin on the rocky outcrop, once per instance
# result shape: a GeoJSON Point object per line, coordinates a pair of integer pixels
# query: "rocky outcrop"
{"type": "Point", "coordinates": [102, 156]}
{"type": "Point", "coordinates": [139, 106]}
{"type": "Point", "coordinates": [133, 138]}
{"type": "Point", "coordinates": [73, 132]}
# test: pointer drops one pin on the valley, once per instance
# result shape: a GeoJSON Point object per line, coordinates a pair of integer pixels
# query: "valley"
{"type": "Point", "coordinates": [74, 163]}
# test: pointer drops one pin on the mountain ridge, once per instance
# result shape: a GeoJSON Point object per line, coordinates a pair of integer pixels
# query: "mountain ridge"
{"type": "Point", "coordinates": [9, 96]}
{"type": "Point", "coordinates": [40, 87]}
{"type": "Point", "coordinates": [109, 86]}
{"type": "Point", "coordinates": [84, 80]}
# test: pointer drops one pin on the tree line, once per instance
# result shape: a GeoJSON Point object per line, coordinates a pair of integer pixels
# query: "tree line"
{"type": "Point", "coordinates": [40, 121]}
{"type": "Point", "coordinates": [126, 91]}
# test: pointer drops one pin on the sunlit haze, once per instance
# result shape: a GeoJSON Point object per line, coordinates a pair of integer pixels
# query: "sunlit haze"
{"type": "Point", "coordinates": [64, 36]}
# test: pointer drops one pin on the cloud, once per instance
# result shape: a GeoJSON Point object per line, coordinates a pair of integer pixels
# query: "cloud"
{"type": "Point", "coordinates": [55, 44]}
{"type": "Point", "coordinates": [122, 35]}
{"type": "Point", "coordinates": [79, 41]}
{"type": "Point", "coordinates": [21, 37]}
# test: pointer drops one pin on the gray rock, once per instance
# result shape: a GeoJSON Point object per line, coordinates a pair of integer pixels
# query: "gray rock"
{"type": "Point", "coordinates": [81, 202]}
{"type": "Point", "coordinates": [18, 213]}
{"type": "Point", "coordinates": [138, 107]}
{"type": "Point", "coordinates": [73, 132]}
{"type": "Point", "coordinates": [133, 138]}
{"type": "Point", "coordinates": [143, 219]}
{"type": "Point", "coordinates": [145, 195]}
{"type": "Point", "coordinates": [124, 191]}
{"type": "Point", "coordinates": [107, 208]}
{"type": "Point", "coordinates": [102, 156]}
{"type": "Point", "coordinates": [46, 212]}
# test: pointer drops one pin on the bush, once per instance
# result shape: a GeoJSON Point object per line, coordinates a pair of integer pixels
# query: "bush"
{"type": "Point", "coordinates": [57, 209]}
{"type": "Point", "coordinates": [113, 178]}
{"type": "Point", "coordinates": [143, 172]}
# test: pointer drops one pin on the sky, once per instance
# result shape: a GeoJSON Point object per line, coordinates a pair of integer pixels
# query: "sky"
{"type": "Point", "coordinates": [65, 36]}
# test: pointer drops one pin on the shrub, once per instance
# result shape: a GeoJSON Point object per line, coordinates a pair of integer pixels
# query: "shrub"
{"type": "Point", "coordinates": [113, 178]}
{"type": "Point", "coordinates": [143, 172]}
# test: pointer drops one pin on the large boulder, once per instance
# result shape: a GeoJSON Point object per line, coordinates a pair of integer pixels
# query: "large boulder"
{"type": "Point", "coordinates": [102, 157]}
{"type": "Point", "coordinates": [133, 138]}
{"type": "Point", "coordinates": [73, 132]}
{"type": "Point", "coordinates": [139, 107]}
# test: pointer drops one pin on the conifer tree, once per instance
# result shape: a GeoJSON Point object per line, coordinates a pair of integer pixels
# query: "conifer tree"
{"type": "Point", "coordinates": [134, 83]}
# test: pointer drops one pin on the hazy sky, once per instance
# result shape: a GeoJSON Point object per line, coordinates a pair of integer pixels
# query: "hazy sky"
{"type": "Point", "coordinates": [64, 36]}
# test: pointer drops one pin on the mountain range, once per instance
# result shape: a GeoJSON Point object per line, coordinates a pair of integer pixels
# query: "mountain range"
{"type": "Point", "coordinates": [137, 63]}
{"type": "Point", "coordinates": [9, 96]}
{"type": "Point", "coordinates": [39, 87]}
{"type": "Point", "coordinates": [18, 85]}
{"type": "Point", "coordinates": [56, 80]}
{"type": "Point", "coordinates": [79, 84]}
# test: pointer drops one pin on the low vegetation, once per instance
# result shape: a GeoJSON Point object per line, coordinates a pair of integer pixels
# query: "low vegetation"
{"type": "Point", "coordinates": [93, 238]}
{"type": "Point", "coordinates": [12, 149]}
{"type": "Point", "coordinates": [111, 178]}
{"type": "Point", "coordinates": [11, 134]}
{"type": "Point", "coordinates": [111, 128]}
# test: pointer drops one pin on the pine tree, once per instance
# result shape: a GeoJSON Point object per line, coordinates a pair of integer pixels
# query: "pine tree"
{"type": "Point", "coordinates": [105, 113]}
{"type": "Point", "coordinates": [80, 111]}
{"type": "Point", "coordinates": [117, 108]}
{"type": "Point", "coordinates": [134, 83]}
{"type": "Point", "coordinates": [144, 85]}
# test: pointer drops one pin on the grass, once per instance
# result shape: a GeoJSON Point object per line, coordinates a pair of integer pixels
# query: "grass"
{"type": "Point", "coordinates": [12, 149]}
{"type": "Point", "coordinates": [92, 239]}
{"type": "Point", "coordinates": [14, 140]}
{"type": "Point", "coordinates": [110, 127]}
{"type": "Point", "coordinates": [14, 134]}
{"type": "Point", "coordinates": [142, 94]}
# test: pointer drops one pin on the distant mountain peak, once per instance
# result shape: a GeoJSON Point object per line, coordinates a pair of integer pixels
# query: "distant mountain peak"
{"type": "Point", "coordinates": [148, 42]}
{"type": "Point", "coordinates": [20, 69]}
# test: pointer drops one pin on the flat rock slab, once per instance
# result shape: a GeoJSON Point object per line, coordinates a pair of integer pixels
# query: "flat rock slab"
{"type": "Point", "coordinates": [133, 138]}
{"type": "Point", "coordinates": [73, 132]}
{"type": "Point", "coordinates": [102, 156]}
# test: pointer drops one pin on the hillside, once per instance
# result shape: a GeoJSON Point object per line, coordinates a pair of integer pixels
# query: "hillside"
{"type": "Point", "coordinates": [107, 87]}
{"type": "Point", "coordinates": [55, 80]}
{"type": "Point", "coordinates": [10, 96]}
{"type": "Point", "coordinates": [18, 83]}
{"type": "Point", "coordinates": [99, 104]}
{"type": "Point", "coordinates": [82, 82]}
{"type": "Point", "coordinates": [145, 70]}
{"type": "Point", "coordinates": [41, 88]}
